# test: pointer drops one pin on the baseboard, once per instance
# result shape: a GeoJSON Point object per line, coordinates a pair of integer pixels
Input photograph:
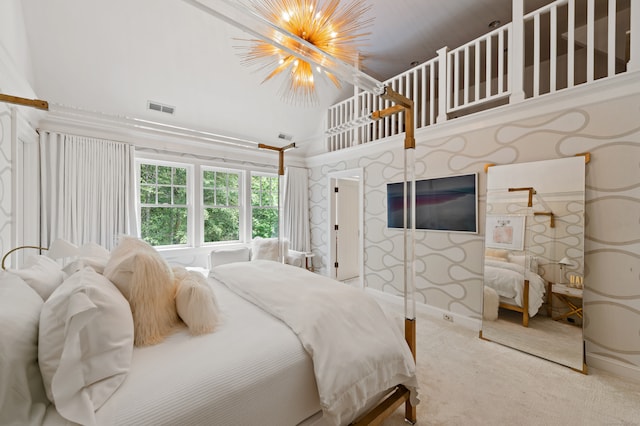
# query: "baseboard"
{"type": "Point", "coordinates": [614, 367]}
{"type": "Point", "coordinates": [432, 311]}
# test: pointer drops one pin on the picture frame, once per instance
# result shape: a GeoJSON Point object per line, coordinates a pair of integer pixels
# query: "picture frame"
{"type": "Point", "coordinates": [505, 232]}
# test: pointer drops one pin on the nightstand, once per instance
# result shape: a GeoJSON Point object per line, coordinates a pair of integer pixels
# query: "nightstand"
{"type": "Point", "coordinates": [570, 297]}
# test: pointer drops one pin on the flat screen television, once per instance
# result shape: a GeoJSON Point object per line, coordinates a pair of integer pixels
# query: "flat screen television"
{"type": "Point", "coordinates": [447, 203]}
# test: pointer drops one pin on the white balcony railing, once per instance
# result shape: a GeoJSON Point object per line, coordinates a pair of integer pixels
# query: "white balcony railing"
{"type": "Point", "coordinates": [559, 46]}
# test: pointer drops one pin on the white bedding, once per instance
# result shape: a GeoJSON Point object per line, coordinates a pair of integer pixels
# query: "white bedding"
{"type": "Point", "coordinates": [507, 279]}
{"type": "Point", "coordinates": [338, 326]}
{"type": "Point", "coordinates": [239, 375]}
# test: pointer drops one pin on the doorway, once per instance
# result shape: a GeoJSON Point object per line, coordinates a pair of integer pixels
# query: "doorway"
{"type": "Point", "coordinates": [345, 226]}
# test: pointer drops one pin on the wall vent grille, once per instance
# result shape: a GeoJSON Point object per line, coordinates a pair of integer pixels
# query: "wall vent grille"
{"type": "Point", "coordinates": [155, 106]}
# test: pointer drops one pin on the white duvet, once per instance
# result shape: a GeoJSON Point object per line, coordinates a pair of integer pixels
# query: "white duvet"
{"type": "Point", "coordinates": [507, 279]}
{"type": "Point", "coordinates": [356, 352]}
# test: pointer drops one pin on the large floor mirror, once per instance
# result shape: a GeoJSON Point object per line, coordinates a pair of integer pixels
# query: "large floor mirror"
{"type": "Point", "coordinates": [534, 259]}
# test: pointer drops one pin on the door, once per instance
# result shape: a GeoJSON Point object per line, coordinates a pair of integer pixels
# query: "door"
{"type": "Point", "coordinates": [347, 229]}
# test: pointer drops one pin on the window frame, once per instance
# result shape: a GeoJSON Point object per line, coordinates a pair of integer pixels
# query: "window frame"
{"type": "Point", "coordinates": [241, 202]}
{"type": "Point", "coordinates": [189, 197]}
{"type": "Point", "coordinates": [195, 201]}
{"type": "Point", "coordinates": [251, 206]}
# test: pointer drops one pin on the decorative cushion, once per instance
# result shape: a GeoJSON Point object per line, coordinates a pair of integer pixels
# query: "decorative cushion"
{"type": "Point", "coordinates": [195, 301]}
{"type": "Point", "coordinates": [146, 281]}
{"type": "Point", "coordinates": [267, 248]}
{"type": "Point", "coordinates": [224, 256]}
{"type": "Point", "coordinates": [42, 273]}
{"type": "Point", "coordinates": [22, 397]}
{"type": "Point", "coordinates": [86, 344]}
{"type": "Point", "coordinates": [497, 253]}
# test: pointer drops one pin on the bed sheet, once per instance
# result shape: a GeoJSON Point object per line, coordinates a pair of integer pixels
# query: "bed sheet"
{"type": "Point", "coordinates": [241, 374]}
{"type": "Point", "coordinates": [507, 279]}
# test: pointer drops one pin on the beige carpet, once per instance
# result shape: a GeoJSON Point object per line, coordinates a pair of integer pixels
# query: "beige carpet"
{"type": "Point", "coordinates": [465, 380]}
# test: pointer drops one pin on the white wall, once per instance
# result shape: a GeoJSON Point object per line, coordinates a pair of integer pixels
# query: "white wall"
{"type": "Point", "coordinates": [15, 79]}
{"type": "Point", "coordinates": [601, 118]}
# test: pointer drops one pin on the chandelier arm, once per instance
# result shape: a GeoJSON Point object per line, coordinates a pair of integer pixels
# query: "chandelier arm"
{"type": "Point", "coordinates": [246, 20]}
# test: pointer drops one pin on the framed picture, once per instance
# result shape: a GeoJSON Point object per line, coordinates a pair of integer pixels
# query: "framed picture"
{"type": "Point", "coordinates": [448, 203]}
{"type": "Point", "coordinates": [505, 232]}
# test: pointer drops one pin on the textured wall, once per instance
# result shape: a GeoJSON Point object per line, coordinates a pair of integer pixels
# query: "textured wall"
{"type": "Point", "coordinates": [5, 180]}
{"type": "Point", "coordinates": [449, 265]}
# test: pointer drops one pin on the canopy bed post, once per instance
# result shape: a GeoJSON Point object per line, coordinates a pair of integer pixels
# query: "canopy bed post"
{"type": "Point", "coordinates": [280, 151]}
{"type": "Point", "coordinates": [35, 103]}
{"type": "Point", "coordinates": [403, 104]}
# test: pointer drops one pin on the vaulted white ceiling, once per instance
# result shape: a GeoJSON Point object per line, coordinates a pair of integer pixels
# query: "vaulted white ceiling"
{"type": "Point", "coordinates": [114, 56]}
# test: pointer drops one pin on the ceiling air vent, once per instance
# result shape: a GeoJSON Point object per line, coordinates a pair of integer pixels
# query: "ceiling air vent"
{"type": "Point", "coordinates": [155, 106]}
{"type": "Point", "coordinates": [285, 136]}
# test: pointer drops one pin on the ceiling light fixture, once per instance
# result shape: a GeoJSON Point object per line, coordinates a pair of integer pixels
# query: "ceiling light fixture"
{"type": "Point", "coordinates": [332, 28]}
{"type": "Point", "coordinates": [494, 24]}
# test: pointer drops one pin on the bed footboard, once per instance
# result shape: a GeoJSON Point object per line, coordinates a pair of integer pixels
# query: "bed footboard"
{"type": "Point", "coordinates": [525, 305]}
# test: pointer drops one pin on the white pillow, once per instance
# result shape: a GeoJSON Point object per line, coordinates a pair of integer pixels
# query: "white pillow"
{"type": "Point", "coordinates": [224, 256]}
{"type": "Point", "coordinates": [528, 262]}
{"type": "Point", "coordinates": [195, 301]}
{"type": "Point", "coordinates": [22, 397]}
{"type": "Point", "coordinates": [267, 248]}
{"type": "Point", "coordinates": [42, 273]}
{"type": "Point", "coordinates": [85, 346]}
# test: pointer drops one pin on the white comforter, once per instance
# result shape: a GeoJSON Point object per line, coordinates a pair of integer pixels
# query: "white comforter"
{"type": "Point", "coordinates": [507, 279]}
{"type": "Point", "coordinates": [356, 352]}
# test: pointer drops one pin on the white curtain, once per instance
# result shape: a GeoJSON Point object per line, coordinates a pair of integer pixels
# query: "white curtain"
{"type": "Point", "coordinates": [296, 209]}
{"type": "Point", "coordinates": [87, 189]}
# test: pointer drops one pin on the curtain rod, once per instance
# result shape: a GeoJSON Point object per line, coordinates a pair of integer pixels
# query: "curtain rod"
{"type": "Point", "coordinates": [149, 125]}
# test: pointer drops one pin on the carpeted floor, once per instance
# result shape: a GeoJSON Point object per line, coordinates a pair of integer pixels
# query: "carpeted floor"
{"type": "Point", "coordinates": [465, 380]}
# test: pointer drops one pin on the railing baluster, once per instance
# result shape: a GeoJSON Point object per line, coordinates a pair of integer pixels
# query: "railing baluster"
{"type": "Point", "coordinates": [611, 39]}
{"type": "Point", "coordinates": [419, 106]}
{"type": "Point", "coordinates": [456, 79]}
{"type": "Point", "coordinates": [477, 71]}
{"type": "Point", "coordinates": [536, 55]}
{"type": "Point", "coordinates": [465, 86]}
{"type": "Point", "coordinates": [423, 100]}
{"type": "Point", "coordinates": [553, 42]}
{"type": "Point", "coordinates": [571, 42]}
{"type": "Point", "coordinates": [500, 69]}
{"type": "Point", "coordinates": [590, 44]}
{"type": "Point", "coordinates": [488, 62]}
{"type": "Point", "coordinates": [432, 93]}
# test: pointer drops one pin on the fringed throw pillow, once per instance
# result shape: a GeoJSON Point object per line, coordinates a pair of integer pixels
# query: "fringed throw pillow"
{"type": "Point", "coordinates": [147, 282]}
{"type": "Point", "coordinates": [195, 301]}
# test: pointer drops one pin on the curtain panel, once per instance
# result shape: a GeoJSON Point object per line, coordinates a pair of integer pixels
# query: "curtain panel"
{"type": "Point", "coordinates": [296, 209]}
{"type": "Point", "coordinates": [87, 189]}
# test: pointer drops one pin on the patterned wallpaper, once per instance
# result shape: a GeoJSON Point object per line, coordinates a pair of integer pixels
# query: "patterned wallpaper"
{"type": "Point", "coordinates": [5, 181]}
{"type": "Point", "coordinates": [449, 265]}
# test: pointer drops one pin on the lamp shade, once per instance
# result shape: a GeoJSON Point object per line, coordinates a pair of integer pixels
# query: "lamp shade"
{"type": "Point", "coordinates": [565, 261]}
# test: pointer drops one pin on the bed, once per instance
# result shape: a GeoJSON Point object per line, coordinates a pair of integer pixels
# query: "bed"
{"type": "Point", "coordinates": [519, 288]}
{"type": "Point", "coordinates": [292, 348]}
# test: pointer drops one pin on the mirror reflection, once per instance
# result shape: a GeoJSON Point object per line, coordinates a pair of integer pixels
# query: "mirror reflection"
{"type": "Point", "coordinates": [534, 259]}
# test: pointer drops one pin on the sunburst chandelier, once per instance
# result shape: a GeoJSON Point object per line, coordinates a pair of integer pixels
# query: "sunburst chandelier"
{"type": "Point", "coordinates": [333, 28]}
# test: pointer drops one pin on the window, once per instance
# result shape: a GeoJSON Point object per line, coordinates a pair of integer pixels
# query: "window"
{"type": "Point", "coordinates": [221, 205]}
{"type": "Point", "coordinates": [264, 206]}
{"type": "Point", "coordinates": [195, 204]}
{"type": "Point", "coordinates": [163, 204]}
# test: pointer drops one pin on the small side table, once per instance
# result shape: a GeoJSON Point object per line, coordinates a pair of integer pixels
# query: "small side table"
{"type": "Point", "coordinates": [568, 296]}
{"type": "Point", "coordinates": [308, 261]}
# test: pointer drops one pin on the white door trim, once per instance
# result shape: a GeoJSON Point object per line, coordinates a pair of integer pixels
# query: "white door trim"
{"type": "Point", "coordinates": [331, 209]}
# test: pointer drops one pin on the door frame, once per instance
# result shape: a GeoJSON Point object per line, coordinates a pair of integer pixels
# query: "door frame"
{"type": "Point", "coordinates": [356, 173]}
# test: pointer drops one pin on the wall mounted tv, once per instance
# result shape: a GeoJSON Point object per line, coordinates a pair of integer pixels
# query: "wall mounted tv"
{"type": "Point", "coordinates": [447, 203]}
